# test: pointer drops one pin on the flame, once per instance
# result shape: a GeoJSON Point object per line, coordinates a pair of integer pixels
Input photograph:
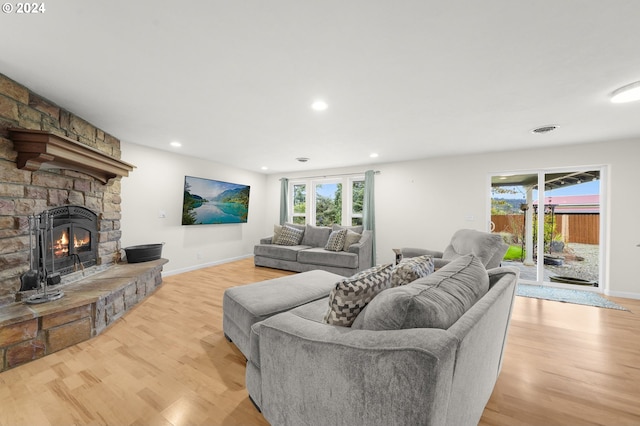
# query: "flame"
{"type": "Point", "coordinates": [61, 246]}
{"type": "Point", "coordinates": [80, 242]}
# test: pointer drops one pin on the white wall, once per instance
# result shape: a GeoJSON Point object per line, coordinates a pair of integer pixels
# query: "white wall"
{"type": "Point", "coordinates": [421, 203]}
{"type": "Point", "coordinates": [418, 203]}
{"type": "Point", "coordinates": [157, 184]}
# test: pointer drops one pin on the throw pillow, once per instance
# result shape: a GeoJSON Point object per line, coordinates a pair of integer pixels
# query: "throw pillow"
{"type": "Point", "coordinates": [351, 238]}
{"type": "Point", "coordinates": [357, 229]}
{"type": "Point", "coordinates": [350, 295]}
{"type": "Point", "coordinates": [410, 269]}
{"type": "Point", "coordinates": [316, 236]}
{"type": "Point", "coordinates": [435, 301]}
{"type": "Point", "coordinates": [336, 240]}
{"type": "Point", "coordinates": [276, 233]}
{"type": "Point", "coordinates": [295, 226]}
{"type": "Point", "coordinates": [289, 236]}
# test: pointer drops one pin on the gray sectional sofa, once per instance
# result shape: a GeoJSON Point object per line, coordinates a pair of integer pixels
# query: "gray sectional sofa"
{"type": "Point", "coordinates": [311, 254]}
{"type": "Point", "coordinates": [390, 366]}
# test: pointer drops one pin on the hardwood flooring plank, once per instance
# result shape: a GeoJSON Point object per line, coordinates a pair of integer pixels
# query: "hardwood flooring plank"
{"type": "Point", "coordinates": [568, 364]}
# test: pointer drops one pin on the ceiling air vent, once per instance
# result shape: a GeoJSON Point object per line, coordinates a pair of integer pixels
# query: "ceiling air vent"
{"type": "Point", "coordinates": [544, 129]}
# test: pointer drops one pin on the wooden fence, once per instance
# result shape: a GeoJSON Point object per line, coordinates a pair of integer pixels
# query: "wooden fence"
{"type": "Point", "coordinates": [575, 228]}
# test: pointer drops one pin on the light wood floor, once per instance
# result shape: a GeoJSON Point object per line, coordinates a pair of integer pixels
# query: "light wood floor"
{"type": "Point", "coordinates": [167, 363]}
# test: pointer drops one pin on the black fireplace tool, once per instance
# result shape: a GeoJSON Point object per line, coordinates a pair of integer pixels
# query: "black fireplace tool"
{"type": "Point", "coordinates": [29, 280]}
{"type": "Point", "coordinates": [45, 296]}
{"type": "Point", "coordinates": [54, 277]}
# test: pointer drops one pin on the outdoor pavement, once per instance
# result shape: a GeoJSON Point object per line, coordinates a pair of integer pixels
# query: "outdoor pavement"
{"type": "Point", "coordinates": [586, 269]}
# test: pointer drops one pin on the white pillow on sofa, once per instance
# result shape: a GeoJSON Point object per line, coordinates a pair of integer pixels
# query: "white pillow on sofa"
{"type": "Point", "coordinates": [351, 238]}
{"type": "Point", "coordinates": [276, 233]}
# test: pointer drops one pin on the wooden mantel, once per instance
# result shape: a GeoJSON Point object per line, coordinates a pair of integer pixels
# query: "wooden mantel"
{"type": "Point", "coordinates": [43, 150]}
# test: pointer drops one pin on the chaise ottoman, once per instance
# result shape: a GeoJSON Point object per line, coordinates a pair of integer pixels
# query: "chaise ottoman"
{"type": "Point", "coordinates": [246, 305]}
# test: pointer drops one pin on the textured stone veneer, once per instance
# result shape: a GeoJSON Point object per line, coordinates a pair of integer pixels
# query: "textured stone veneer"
{"type": "Point", "coordinates": [23, 192]}
{"type": "Point", "coordinates": [29, 332]}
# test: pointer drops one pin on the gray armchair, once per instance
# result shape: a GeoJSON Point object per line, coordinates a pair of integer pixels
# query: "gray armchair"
{"type": "Point", "coordinates": [489, 248]}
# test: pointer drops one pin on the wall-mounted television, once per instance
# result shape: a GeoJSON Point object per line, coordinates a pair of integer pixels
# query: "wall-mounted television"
{"type": "Point", "coordinates": [208, 201]}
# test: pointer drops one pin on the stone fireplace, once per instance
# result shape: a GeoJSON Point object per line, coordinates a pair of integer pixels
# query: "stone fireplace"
{"type": "Point", "coordinates": [55, 165]}
{"type": "Point", "coordinates": [51, 160]}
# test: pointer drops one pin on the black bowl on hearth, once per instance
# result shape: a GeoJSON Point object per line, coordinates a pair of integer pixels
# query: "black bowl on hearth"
{"type": "Point", "coordinates": [143, 253]}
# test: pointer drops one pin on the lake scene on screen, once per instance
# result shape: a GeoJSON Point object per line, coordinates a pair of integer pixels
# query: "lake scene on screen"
{"type": "Point", "coordinates": [208, 201]}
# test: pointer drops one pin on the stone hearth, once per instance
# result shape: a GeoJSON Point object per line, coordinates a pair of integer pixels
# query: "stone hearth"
{"type": "Point", "coordinates": [29, 332]}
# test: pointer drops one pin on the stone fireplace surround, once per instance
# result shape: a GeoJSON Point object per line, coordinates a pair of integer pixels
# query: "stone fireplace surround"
{"type": "Point", "coordinates": [91, 304]}
{"type": "Point", "coordinates": [25, 192]}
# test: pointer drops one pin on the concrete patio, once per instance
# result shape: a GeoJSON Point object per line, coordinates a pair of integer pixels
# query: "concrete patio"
{"type": "Point", "coordinates": [586, 269]}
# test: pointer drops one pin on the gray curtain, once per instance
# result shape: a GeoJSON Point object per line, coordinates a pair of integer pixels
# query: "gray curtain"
{"type": "Point", "coordinates": [368, 210]}
{"type": "Point", "coordinates": [284, 204]}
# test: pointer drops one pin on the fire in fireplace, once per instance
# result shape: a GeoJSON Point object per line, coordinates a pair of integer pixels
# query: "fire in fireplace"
{"type": "Point", "coordinates": [61, 242]}
{"type": "Point", "coordinates": [73, 245]}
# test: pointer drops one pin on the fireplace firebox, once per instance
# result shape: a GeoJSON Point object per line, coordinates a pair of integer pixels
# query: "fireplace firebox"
{"type": "Point", "coordinates": [73, 242]}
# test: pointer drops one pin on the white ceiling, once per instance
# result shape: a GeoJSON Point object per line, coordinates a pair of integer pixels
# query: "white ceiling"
{"type": "Point", "coordinates": [233, 80]}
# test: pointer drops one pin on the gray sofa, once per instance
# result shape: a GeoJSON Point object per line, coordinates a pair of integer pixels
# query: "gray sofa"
{"type": "Point", "coordinates": [310, 254]}
{"type": "Point", "coordinates": [302, 371]}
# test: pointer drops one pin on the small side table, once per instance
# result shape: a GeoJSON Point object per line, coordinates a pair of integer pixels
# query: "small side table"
{"type": "Point", "coordinates": [398, 253]}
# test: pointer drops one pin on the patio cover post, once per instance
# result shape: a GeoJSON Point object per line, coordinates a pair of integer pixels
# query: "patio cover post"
{"type": "Point", "coordinates": [528, 219]}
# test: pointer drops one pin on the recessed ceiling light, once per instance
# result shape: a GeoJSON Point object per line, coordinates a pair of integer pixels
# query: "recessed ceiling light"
{"type": "Point", "coordinates": [628, 93]}
{"type": "Point", "coordinates": [175, 144]}
{"type": "Point", "coordinates": [373, 155]}
{"type": "Point", "coordinates": [264, 168]}
{"type": "Point", "coordinates": [319, 105]}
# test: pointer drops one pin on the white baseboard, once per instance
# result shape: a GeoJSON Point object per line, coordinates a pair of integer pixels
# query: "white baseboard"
{"type": "Point", "coordinates": [625, 294]}
{"type": "Point", "coordinates": [203, 265]}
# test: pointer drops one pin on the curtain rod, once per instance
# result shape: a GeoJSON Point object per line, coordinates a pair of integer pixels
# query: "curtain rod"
{"type": "Point", "coordinates": [377, 172]}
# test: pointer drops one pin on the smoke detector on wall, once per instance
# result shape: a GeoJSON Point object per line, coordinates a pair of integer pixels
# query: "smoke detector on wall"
{"type": "Point", "coordinates": [544, 129]}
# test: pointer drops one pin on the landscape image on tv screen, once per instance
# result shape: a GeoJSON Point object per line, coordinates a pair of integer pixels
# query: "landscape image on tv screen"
{"type": "Point", "coordinates": [208, 201]}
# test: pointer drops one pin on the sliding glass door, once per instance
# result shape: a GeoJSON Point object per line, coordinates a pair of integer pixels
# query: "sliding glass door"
{"type": "Point", "coordinates": [552, 222]}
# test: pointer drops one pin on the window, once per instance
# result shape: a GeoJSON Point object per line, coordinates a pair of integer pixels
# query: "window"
{"type": "Point", "coordinates": [332, 201]}
{"type": "Point", "coordinates": [328, 203]}
{"type": "Point", "coordinates": [299, 204]}
{"type": "Point", "coordinates": [357, 200]}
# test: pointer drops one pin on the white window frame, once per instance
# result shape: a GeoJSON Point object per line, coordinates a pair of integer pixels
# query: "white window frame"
{"type": "Point", "coordinates": [350, 215]}
{"type": "Point", "coordinates": [323, 181]}
{"type": "Point", "coordinates": [292, 213]}
{"type": "Point", "coordinates": [310, 202]}
{"type": "Point", "coordinates": [603, 286]}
